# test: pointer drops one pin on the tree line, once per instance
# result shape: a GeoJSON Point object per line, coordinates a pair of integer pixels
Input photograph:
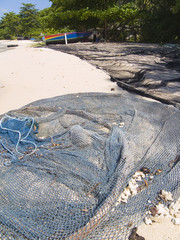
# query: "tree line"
{"type": "Point", "coordinates": [154, 21]}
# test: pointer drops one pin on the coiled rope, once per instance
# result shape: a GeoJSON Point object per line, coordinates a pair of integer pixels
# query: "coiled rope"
{"type": "Point", "coordinates": [21, 139]}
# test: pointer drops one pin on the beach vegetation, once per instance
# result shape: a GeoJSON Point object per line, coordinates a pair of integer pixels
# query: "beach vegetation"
{"type": "Point", "coordinates": [158, 21]}
{"type": "Point", "coordinates": [28, 20]}
{"type": "Point", "coordinates": [9, 25]}
{"type": "Point", "coordinates": [38, 44]}
{"type": "Point", "coordinates": [122, 20]}
{"type": "Point", "coordinates": [176, 7]}
{"type": "Point", "coordinates": [115, 20]}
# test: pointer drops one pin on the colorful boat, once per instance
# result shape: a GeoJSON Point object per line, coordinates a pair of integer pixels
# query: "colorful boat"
{"type": "Point", "coordinates": [66, 37]}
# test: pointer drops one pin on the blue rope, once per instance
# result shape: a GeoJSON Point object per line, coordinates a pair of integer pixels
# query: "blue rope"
{"type": "Point", "coordinates": [20, 138]}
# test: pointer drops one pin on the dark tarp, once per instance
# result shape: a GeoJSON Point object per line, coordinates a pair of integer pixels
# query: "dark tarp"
{"type": "Point", "coordinates": [150, 70]}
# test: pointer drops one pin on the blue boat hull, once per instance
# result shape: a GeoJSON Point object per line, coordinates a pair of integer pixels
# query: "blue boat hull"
{"type": "Point", "coordinates": [71, 37]}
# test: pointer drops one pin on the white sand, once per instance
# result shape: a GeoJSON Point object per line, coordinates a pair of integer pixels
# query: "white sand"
{"type": "Point", "coordinates": [28, 74]}
{"type": "Point", "coordinates": [163, 229]}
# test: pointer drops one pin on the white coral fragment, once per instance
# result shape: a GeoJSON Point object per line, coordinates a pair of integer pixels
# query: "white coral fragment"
{"type": "Point", "coordinates": [174, 209]}
{"type": "Point", "coordinates": [132, 188]}
{"type": "Point", "coordinates": [162, 210]}
{"type": "Point", "coordinates": [147, 220]}
{"type": "Point", "coordinates": [176, 221]}
{"type": "Point", "coordinates": [166, 196]}
{"type": "Point", "coordinates": [139, 176]}
{"type": "Point", "coordinates": [125, 195]}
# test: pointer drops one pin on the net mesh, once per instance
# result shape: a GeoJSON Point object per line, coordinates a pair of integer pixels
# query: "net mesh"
{"type": "Point", "coordinates": [65, 161]}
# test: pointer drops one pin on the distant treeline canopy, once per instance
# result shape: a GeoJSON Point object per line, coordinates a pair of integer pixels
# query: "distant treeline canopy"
{"type": "Point", "coordinates": [116, 20]}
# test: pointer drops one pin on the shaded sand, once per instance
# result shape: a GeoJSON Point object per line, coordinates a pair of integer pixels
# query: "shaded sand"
{"type": "Point", "coordinates": [29, 74]}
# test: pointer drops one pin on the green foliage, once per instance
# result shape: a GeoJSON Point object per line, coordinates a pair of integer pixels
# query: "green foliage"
{"type": "Point", "coordinates": [158, 21]}
{"type": "Point", "coordinates": [24, 24]}
{"type": "Point", "coordinates": [176, 8]}
{"type": "Point", "coordinates": [10, 25]}
{"type": "Point", "coordinates": [45, 18]}
{"type": "Point", "coordinates": [79, 4]}
{"type": "Point", "coordinates": [49, 31]}
{"type": "Point", "coordinates": [116, 20]}
{"type": "Point", "coordinates": [29, 19]}
{"type": "Point", "coordinates": [90, 14]}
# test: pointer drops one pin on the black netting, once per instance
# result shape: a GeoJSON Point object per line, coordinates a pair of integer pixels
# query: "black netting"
{"type": "Point", "coordinates": [65, 161]}
{"type": "Point", "coordinates": [151, 70]}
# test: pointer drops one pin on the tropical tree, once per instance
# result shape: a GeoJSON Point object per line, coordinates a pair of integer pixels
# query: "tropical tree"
{"type": "Point", "coordinates": [176, 8]}
{"type": "Point", "coordinates": [79, 4]}
{"type": "Point", "coordinates": [44, 18]}
{"type": "Point", "coordinates": [29, 19]}
{"type": "Point", "coordinates": [158, 21]}
{"type": "Point", "coordinates": [117, 20]}
{"type": "Point", "coordinates": [9, 25]}
{"type": "Point", "coordinates": [108, 15]}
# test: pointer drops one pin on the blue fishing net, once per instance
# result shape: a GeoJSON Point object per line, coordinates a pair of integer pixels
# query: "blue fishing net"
{"type": "Point", "coordinates": [70, 157]}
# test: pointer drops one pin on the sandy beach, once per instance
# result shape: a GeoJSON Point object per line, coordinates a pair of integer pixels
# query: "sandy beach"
{"type": "Point", "coordinates": [29, 74]}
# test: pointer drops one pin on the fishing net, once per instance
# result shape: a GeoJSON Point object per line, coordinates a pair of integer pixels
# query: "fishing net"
{"type": "Point", "coordinates": [149, 70]}
{"type": "Point", "coordinates": [65, 161]}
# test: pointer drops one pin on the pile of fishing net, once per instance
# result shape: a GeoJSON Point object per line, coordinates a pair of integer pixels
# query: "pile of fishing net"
{"type": "Point", "coordinates": [65, 161]}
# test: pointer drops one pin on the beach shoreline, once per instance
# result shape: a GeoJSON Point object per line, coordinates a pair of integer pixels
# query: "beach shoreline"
{"type": "Point", "coordinates": [26, 69]}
